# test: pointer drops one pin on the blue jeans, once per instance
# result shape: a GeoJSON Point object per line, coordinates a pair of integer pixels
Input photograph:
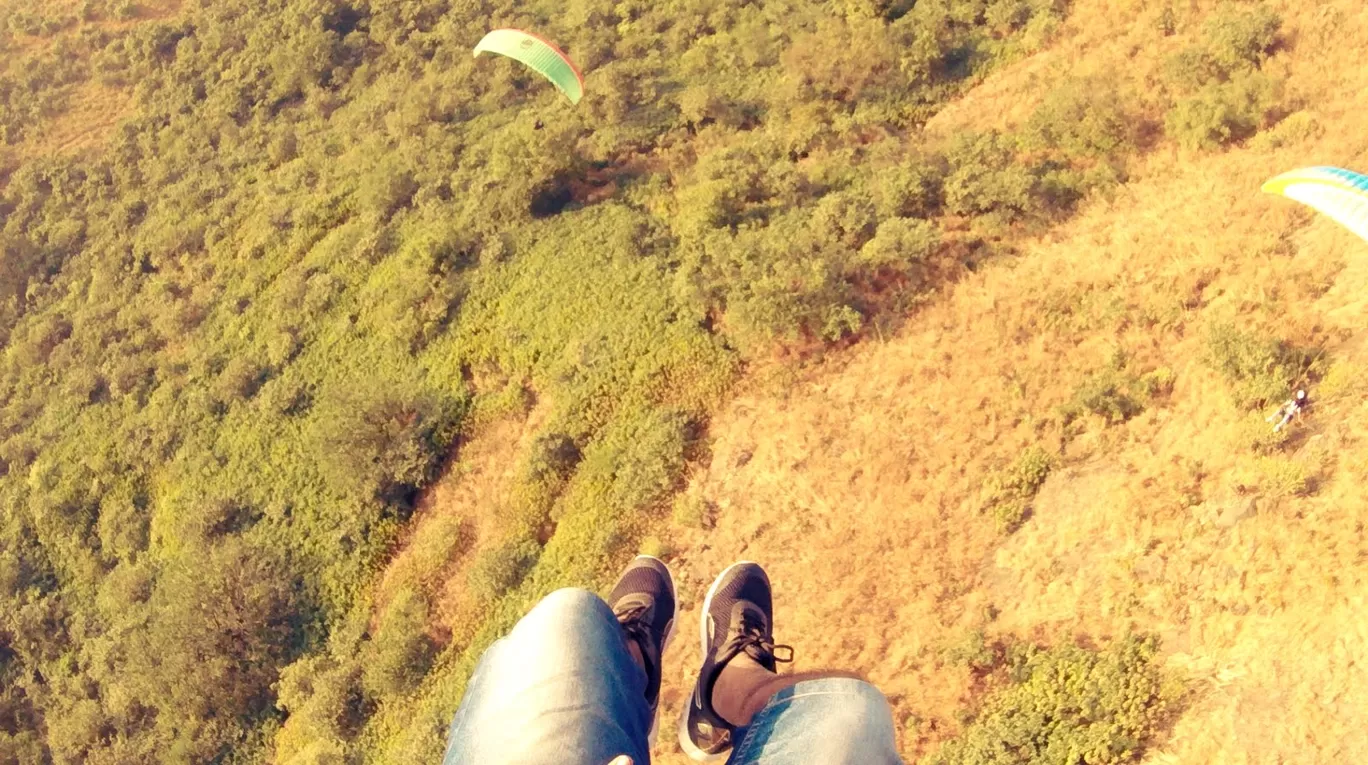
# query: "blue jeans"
{"type": "Point", "coordinates": [561, 689]}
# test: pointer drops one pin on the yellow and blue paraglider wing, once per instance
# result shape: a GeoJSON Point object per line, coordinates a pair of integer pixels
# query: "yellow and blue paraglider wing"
{"type": "Point", "coordinates": [1340, 194]}
{"type": "Point", "coordinates": [538, 54]}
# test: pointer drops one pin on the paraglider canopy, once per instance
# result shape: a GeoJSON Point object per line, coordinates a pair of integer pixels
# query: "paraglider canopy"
{"type": "Point", "coordinates": [1338, 193]}
{"type": "Point", "coordinates": [538, 54]}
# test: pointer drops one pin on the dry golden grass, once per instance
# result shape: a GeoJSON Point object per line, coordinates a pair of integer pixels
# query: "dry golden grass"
{"type": "Point", "coordinates": [458, 515]}
{"type": "Point", "coordinates": [857, 483]}
{"type": "Point", "coordinates": [92, 114]}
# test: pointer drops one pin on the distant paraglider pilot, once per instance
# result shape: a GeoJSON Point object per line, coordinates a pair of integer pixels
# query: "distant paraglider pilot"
{"type": "Point", "coordinates": [1291, 408]}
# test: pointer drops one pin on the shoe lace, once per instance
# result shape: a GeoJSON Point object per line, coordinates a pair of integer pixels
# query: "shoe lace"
{"type": "Point", "coordinates": [751, 638]}
{"type": "Point", "coordinates": [630, 617]}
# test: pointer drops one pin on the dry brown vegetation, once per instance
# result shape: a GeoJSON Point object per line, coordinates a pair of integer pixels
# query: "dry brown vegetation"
{"type": "Point", "coordinates": [858, 481]}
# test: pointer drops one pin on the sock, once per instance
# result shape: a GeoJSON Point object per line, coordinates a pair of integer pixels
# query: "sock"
{"type": "Point", "coordinates": [731, 695]}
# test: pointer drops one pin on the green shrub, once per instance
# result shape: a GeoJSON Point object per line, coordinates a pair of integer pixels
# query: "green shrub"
{"type": "Point", "coordinates": [1256, 434]}
{"type": "Point", "coordinates": [1342, 379]}
{"type": "Point", "coordinates": [867, 9]}
{"type": "Point", "coordinates": [1010, 491]}
{"type": "Point", "coordinates": [1299, 127]}
{"type": "Point", "coordinates": [910, 189]}
{"type": "Point", "coordinates": [1260, 369]}
{"type": "Point", "coordinates": [1236, 40]}
{"type": "Point", "coordinates": [385, 189]}
{"type": "Point", "coordinates": [985, 177]}
{"type": "Point", "coordinates": [496, 570]}
{"type": "Point", "coordinates": [841, 321]}
{"type": "Point", "coordinates": [692, 511]}
{"type": "Point", "coordinates": [371, 440]}
{"type": "Point", "coordinates": [1110, 394]}
{"type": "Point", "coordinates": [902, 245]}
{"type": "Point", "coordinates": [1158, 382]}
{"type": "Point", "coordinates": [1069, 705]}
{"type": "Point", "coordinates": [1082, 118]}
{"type": "Point", "coordinates": [1282, 477]}
{"type": "Point", "coordinates": [975, 652]}
{"type": "Point", "coordinates": [220, 624]}
{"type": "Point", "coordinates": [701, 104]}
{"type": "Point", "coordinates": [1221, 113]}
{"type": "Point", "coordinates": [398, 655]}
{"type": "Point", "coordinates": [1192, 68]}
{"type": "Point", "coordinates": [239, 380]}
{"type": "Point", "coordinates": [322, 698]}
{"type": "Point", "coordinates": [844, 219]}
{"type": "Point", "coordinates": [1241, 36]}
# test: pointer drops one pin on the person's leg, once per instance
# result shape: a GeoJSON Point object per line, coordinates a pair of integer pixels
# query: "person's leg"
{"type": "Point", "coordinates": [574, 683]}
{"type": "Point", "coordinates": [560, 688]}
{"type": "Point", "coordinates": [832, 720]}
{"type": "Point", "coordinates": [741, 704]}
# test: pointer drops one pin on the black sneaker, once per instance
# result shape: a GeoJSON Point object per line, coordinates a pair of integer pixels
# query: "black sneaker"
{"type": "Point", "coordinates": [644, 602]}
{"type": "Point", "coordinates": [738, 615]}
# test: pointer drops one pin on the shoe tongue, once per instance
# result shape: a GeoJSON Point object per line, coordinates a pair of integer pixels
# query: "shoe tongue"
{"type": "Point", "coordinates": [639, 629]}
{"type": "Point", "coordinates": [743, 611]}
{"type": "Point", "coordinates": [635, 601]}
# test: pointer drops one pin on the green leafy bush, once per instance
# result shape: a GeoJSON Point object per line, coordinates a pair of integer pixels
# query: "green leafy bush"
{"type": "Point", "coordinates": [374, 442]}
{"type": "Point", "coordinates": [1282, 477]}
{"type": "Point", "coordinates": [843, 219]}
{"type": "Point", "coordinates": [692, 511]}
{"type": "Point", "coordinates": [841, 321]}
{"type": "Point", "coordinates": [1236, 39]}
{"type": "Point", "coordinates": [1225, 97]}
{"type": "Point", "coordinates": [1009, 491]}
{"type": "Point", "coordinates": [976, 652]}
{"type": "Point", "coordinates": [1221, 113]}
{"type": "Point", "coordinates": [1298, 127]}
{"type": "Point", "coordinates": [219, 625]}
{"type": "Point", "coordinates": [1241, 36]}
{"type": "Point", "coordinates": [496, 570]}
{"type": "Point", "coordinates": [1069, 705]}
{"type": "Point", "coordinates": [1259, 368]}
{"type": "Point", "coordinates": [902, 245]}
{"type": "Point", "coordinates": [1082, 118]}
{"type": "Point", "coordinates": [985, 177]}
{"type": "Point", "coordinates": [1110, 394]}
{"type": "Point", "coordinates": [910, 189]}
{"type": "Point", "coordinates": [323, 700]}
{"type": "Point", "coordinates": [399, 653]}
{"type": "Point", "coordinates": [1157, 382]}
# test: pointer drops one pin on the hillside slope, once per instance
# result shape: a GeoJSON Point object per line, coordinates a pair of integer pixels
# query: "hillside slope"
{"type": "Point", "coordinates": [329, 349]}
{"type": "Point", "coordinates": [859, 484]}
{"type": "Point", "coordinates": [859, 480]}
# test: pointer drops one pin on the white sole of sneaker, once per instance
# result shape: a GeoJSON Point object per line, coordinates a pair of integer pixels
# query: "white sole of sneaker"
{"type": "Point", "coordinates": [664, 644]}
{"type": "Point", "coordinates": [685, 742]}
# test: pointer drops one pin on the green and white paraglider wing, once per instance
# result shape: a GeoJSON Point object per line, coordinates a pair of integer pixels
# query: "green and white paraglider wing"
{"type": "Point", "coordinates": [1340, 194]}
{"type": "Point", "coordinates": [540, 55]}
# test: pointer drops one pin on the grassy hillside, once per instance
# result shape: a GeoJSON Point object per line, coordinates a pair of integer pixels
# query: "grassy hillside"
{"type": "Point", "coordinates": [273, 267]}
{"type": "Point", "coordinates": [882, 476]}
